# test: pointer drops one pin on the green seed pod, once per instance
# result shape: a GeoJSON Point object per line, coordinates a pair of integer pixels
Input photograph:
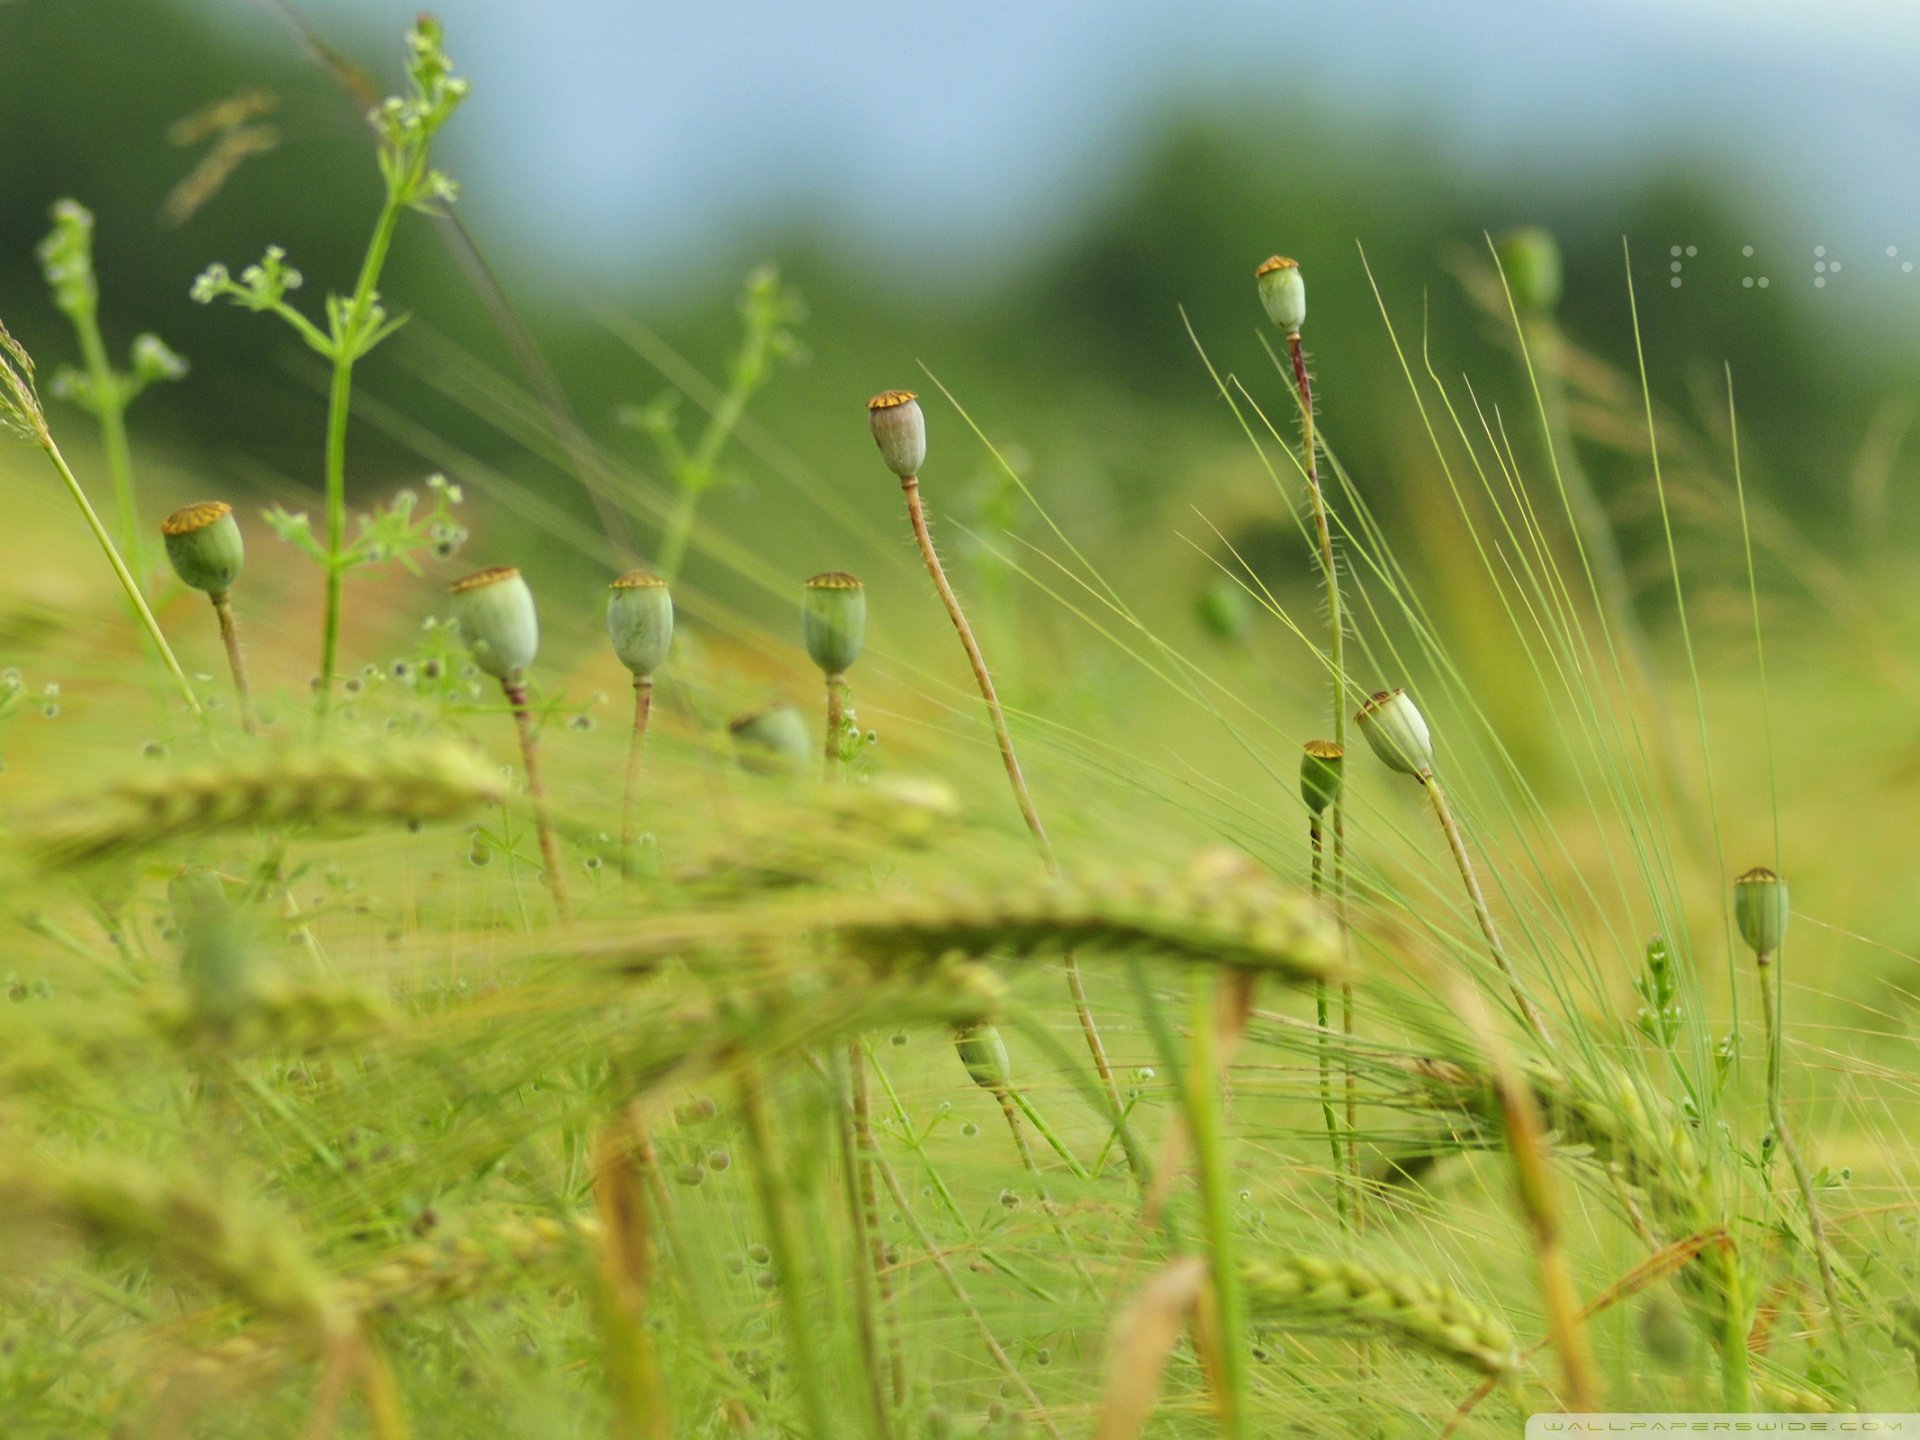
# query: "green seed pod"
{"type": "Point", "coordinates": [1284, 292]}
{"type": "Point", "coordinates": [772, 740]}
{"type": "Point", "coordinates": [204, 544]}
{"type": "Point", "coordinates": [213, 954]}
{"type": "Point", "coordinates": [1530, 259]}
{"type": "Point", "coordinates": [1321, 765]}
{"type": "Point", "coordinates": [900, 430]}
{"type": "Point", "coordinates": [833, 618]}
{"type": "Point", "coordinates": [1225, 611]}
{"type": "Point", "coordinates": [640, 621]}
{"type": "Point", "coordinates": [1394, 728]}
{"type": "Point", "coordinates": [984, 1054]}
{"type": "Point", "coordinates": [496, 614]}
{"type": "Point", "coordinates": [1760, 909]}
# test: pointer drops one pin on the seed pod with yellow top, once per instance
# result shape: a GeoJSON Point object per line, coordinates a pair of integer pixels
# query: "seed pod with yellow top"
{"type": "Point", "coordinates": [1284, 292]}
{"type": "Point", "coordinates": [206, 550]}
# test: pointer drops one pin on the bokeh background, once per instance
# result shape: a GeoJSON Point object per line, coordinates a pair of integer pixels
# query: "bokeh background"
{"type": "Point", "coordinates": [1041, 207]}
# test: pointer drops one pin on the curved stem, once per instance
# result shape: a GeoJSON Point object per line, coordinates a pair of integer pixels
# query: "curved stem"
{"type": "Point", "coordinates": [916, 513]}
{"type": "Point", "coordinates": [636, 751]}
{"type": "Point", "coordinates": [230, 637]}
{"type": "Point", "coordinates": [1536, 1021]}
{"type": "Point", "coordinates": [537, 793]}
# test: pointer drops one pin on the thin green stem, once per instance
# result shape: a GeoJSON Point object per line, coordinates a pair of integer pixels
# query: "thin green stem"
{"type": "Point", "coordinates": [110, 408]}
{"type": "Point", "coordinates": [1770, 1005]}
{"type": "Point", "coordinates": [783, 1246]}
{"type": "Point", "coordinates": [537, 794]}
{"type": "Point", "coordinates": [867, 1259]}
{"type": "Point", "coordinates": [1321, 1013]}
{"type": "Point", "coordinates": [1337, 666]}
{"type": "Point", "coordinates": [917, 515]}
{"type": "Point", "coordinates": [1456, 842]}
{"type": "Point", "coordinates": [1054, 1142]}
{"type": "Point", "coordinates": [636, 753]}
{"type": "Point", "coordinates": [866, 1151]}
{"type": "Point", "coordinates": [346, 347]}
{"type": "Point", "coordinates": [1032, 1167]}
{"type": "Point", "coordinates": [236, 661]}
{"type": "Point", "coordinates": [127, 582]}
{"type": "Point", "coordinates": [836, 722]}
{"type": "Point", "coordinates": [1203, 1121]}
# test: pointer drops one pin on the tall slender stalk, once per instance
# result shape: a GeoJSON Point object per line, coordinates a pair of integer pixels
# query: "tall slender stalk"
{"type": "Point", "coordinates": [121, 573]}
{"type": "Point", "coordinates": [1456, 842]}
{"type": "Point", "coordinates": [783, 1244]}
{"type": "Point", "coordinates": [1770, 1005]}
{"type": "Point", "coordinates": [916, 514]}
{"type": "Point", "coordinates": [537, 794]}
{"type": "Point", "coordinates": [230, 637]}
{"type": "Point", "coordinates": [1209, 1146]}
{"type": "Point", "coordinates": [636, 754]}
{"type": "Point", "coordinates": [346, 351]}
{"type": "Point", "coordinates": [1336, 661]}
{"type": "Point", "coordinates": [1314, 840]}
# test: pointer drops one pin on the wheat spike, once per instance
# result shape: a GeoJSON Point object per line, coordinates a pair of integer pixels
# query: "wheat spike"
{"type": "Point", "coordinates": [404, 781]}
{"type": "Point", "coordinates": [1406, 1309]}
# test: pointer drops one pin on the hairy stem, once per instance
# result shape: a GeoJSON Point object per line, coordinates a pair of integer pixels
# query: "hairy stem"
{"type": "Point", "coordinates": [636, 752]}
{"type": "Point", "coordinates": [537, 794]}
{"type": "Point", "coordinates": [867, 1259]}
{"type": "Point", "coordinates": [230, 637]}
{"type": "Point", "coordinates": [1456, 842]}
{"type": "Point", "coordinates": [866, 1150]}
{"type": "Point", "coordinates": [1321, 1013]}
{"type": "Point", "coordinates": [917, 514]}
{"type": "Point", "coordinates": [1336, 660]}
{"type": "Point", "coordinates": [836, 722]}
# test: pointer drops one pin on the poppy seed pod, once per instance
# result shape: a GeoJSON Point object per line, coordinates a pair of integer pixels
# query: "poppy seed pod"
{"type": "Point", "coordinates": [1530, 259]}
{"type": "Point", "coordinates": [1284, 292]}
{"type": "Point", "coordinates": [772, 740]}
{"type": "Point", "coordinates": [496, 614]}
{"type": "Point", "coordinates": [833, 621]}
{"type": "Point", "coordinates": [1321, 767]}
{"type": "Point", "coordinates": [984, 1054]}
{"type": "Point", "coordinates": [1398, 734]}
{"type": "Point", "coordinates": [1760, 909]}
{"type": "Point", "coordinates": [900, 430]}
{"type": "Point", "coordinates": [640, 621]}
{"type": "Point", "coordinates": [204, 545]}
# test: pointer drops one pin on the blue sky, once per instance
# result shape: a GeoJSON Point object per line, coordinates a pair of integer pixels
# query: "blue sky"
{"type": "Point", "coordinates": [657, 130]}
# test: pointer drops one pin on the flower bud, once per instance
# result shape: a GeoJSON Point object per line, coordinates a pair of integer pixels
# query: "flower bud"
{"type": "Point", "coordinates": [204, 545]}
{"type": "Point", "coordinates": [984, 1054]}
{"type": "Point", "coordinates": [1760, 909]}
{"type": "Point", "coordinates": [1284, 292]}
{"type": "Point", "coordinates": [833, 620]}
{"type": "Point", "coordinates": [900, 430]}
{"type": "Point", "coordinates": [772, 740]}
{"type": "Point", "coordinates": [495, 610]}
{"type": "Point", "coordinates": [1397, 732]}
{"type": "Point", "coordinates": [1530, 259]}
{"type": "Point", "coordinates": [1321, 767]}
{"type": "Point", "coordinates": [640, 621]}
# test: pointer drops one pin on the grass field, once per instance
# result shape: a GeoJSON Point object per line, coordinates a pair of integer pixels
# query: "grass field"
{"type": "Point", "coordinates": [412, 1043]}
